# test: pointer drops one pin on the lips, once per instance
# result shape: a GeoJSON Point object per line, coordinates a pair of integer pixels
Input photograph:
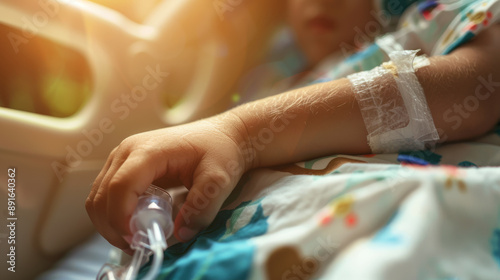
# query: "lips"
{"type": "Point", "coordinates": [320, 24]}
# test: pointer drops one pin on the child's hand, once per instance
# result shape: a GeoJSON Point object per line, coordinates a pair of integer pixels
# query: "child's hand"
{"type": "Point", "coordinates": [204, 156]}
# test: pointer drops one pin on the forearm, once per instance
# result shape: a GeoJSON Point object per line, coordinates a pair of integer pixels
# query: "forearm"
{"type": "Point", "coordinates": [304, 123]}
{"type": "Point", "coordinates": [325, 118]}
{"type": "Point", "coordinates": [463, 89]}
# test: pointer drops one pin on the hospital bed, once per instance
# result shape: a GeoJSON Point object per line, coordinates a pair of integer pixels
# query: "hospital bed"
{"type": "Point", "coordinates": [137, 60]}
{"type": "Point", "coordinates": [50, 226]}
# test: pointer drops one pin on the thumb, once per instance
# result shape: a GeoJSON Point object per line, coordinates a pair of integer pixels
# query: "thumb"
{"type": "Point", "coordinates": [205, 198]}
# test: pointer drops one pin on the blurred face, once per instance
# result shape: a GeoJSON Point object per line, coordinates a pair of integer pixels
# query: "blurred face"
{"type": "Point", "coordinates": [321, 26]}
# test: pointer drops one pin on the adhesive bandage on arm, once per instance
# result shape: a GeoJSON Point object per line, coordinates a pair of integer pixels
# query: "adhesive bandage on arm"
{"type": "Point", "coordinates": [393, 105]}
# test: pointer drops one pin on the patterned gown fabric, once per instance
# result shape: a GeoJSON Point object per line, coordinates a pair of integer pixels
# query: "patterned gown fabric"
{"type": "Point", "coordinates": [369, 216]}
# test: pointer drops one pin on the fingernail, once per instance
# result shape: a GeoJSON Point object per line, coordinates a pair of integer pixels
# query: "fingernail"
{"type": "Point", "coordinates": [186, 233]}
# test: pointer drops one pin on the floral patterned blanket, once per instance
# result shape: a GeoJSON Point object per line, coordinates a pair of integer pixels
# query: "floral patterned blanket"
{"type": "Point", "coordinates": [357, 217]}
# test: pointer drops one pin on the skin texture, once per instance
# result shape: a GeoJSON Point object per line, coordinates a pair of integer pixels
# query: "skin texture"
{"type": "Point", "coordinates": [208, 157]}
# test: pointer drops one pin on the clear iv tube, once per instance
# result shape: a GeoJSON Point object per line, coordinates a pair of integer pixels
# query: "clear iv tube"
{"type": "Point", "coordinates": [135, 265]}
{"type": "Point", "coordinates": [157, 247]}
{"type": "Point", "coordinates": [151, 225]}
{"type": "Point", "coordinates": [153, 216]}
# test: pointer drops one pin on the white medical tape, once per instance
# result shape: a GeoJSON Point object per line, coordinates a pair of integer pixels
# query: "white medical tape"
{"type": "Point", "coordinates": [393, 105]}
{"type": "Point", "coordinates": [389, 44]}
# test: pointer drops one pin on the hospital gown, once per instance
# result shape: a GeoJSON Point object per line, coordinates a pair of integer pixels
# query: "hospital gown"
{"type": "Point", "coordinates": [368, 216]}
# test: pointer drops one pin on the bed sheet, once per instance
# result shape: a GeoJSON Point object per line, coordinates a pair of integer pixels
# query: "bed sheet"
{"type": "Point", "coordinates": [344, 217]}
{"type": "Point", "coordinates": [81, 263]}
{"type": "Point", "coordinates": [356, 217]}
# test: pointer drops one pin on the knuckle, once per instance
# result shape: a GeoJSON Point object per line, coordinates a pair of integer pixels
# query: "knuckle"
{"type": "Point", "coordinates": [220, 178]}
{"type": "Point", "coordinates": [113, 152]}
{"type": "Point", "coordinates": [98, 204]}
{"type": "Point", "coordinates": [124, 146]}
{"type": "Point", "coordinates": [89, 205]}
{"type": "Point", "coordinates": [129, 141]}
{"type": "Point", "coordinates": [141, 148]}
{"type": "Point", "coordinates": [115, 184]}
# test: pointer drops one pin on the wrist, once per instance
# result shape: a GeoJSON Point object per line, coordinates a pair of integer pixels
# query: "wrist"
{"type": "Point", "coordinates": [249, 155]}
{"type": "Point", "coordinates": [233, 125]}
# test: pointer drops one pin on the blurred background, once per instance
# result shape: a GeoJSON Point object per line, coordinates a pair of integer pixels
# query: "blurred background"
{"type": "Point", "coordinates": [60, 80]}
{"type": "Point", "coordinates": [50, 79]}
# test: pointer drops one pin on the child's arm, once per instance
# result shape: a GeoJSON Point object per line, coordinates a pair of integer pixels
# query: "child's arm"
{"type": "Point", "coordinates": [327, 119]}
{"type": "Point", "coordinates": [209, 156]}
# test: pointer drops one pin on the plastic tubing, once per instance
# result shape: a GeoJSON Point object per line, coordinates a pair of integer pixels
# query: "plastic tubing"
{"type": "Point", "coordinates": [151, 225]}
{"type": "Point", "coordinates": [153, 216]}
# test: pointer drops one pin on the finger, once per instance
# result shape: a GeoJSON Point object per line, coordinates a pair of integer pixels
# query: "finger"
{"type": "Point", "coordinates": [209, 191]}
{"type": "Point", "coordinates": [99, 204]}
{"type": "Point", "coordinates": [114, 238]}
{"type": "Point", "coordinates": [116, 163]}
{"type": "Point", "coordinates": [99, 221]}
{"type": "Point", "coordinates": [179, 195]}
{"type": "Point", "coordinates": [94, 205]}
{"type": "Point", "coordinates": [97, 182]}
{"type": "Point", "coordinates": [128, 183]}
